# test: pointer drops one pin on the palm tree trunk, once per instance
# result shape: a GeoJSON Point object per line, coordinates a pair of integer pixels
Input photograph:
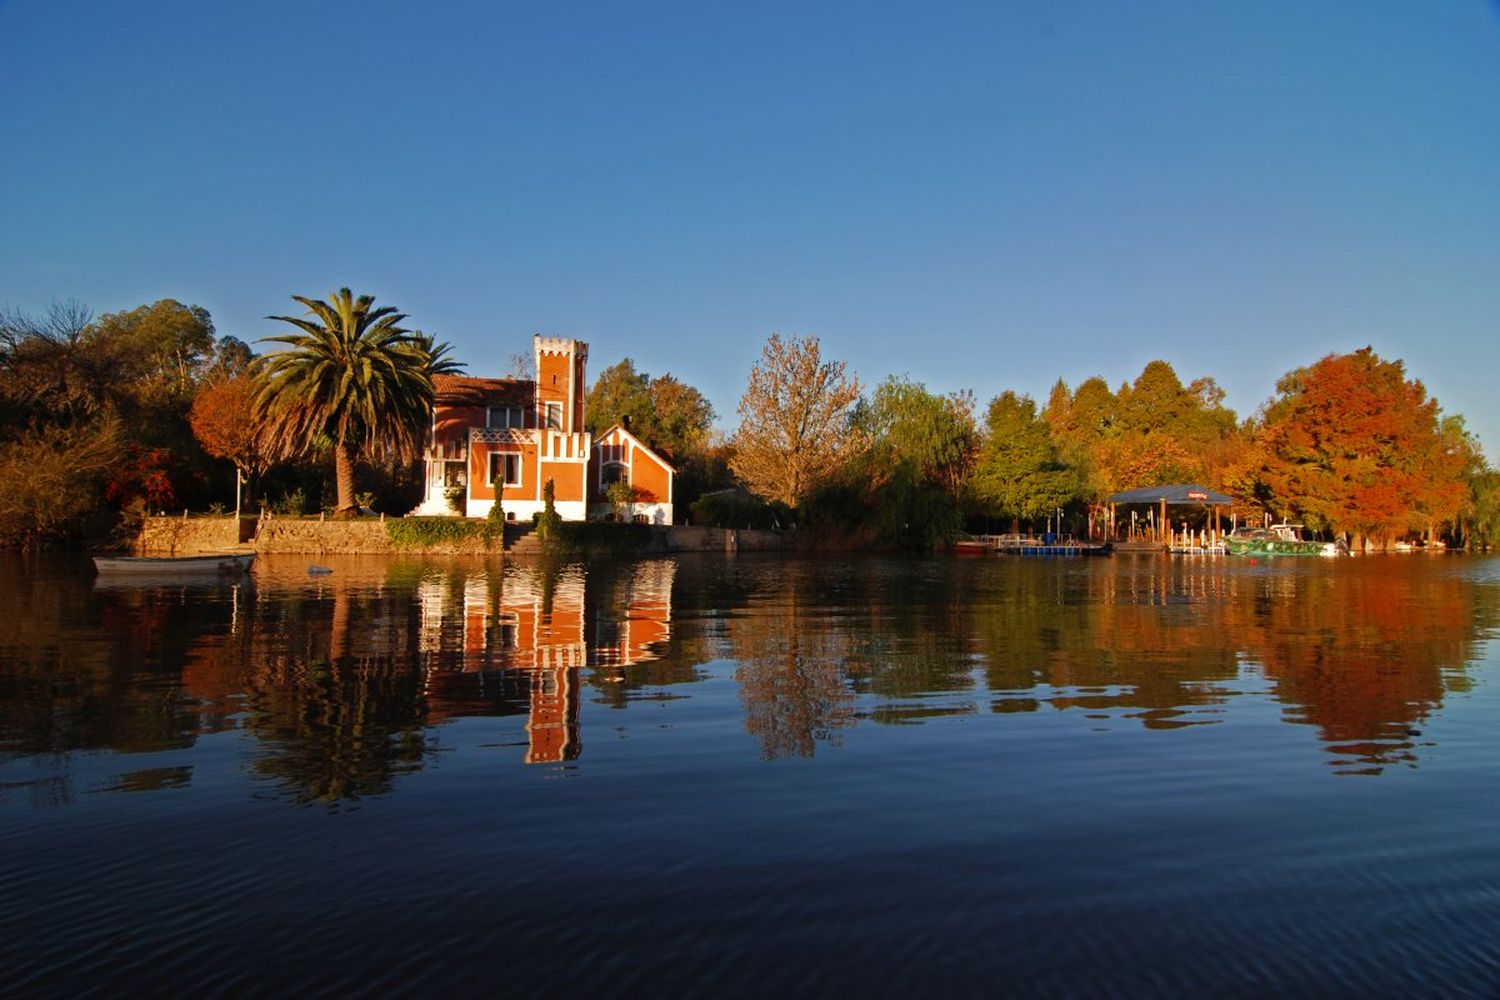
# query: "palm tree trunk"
{"type": "Point", "coordinates": [343, 468]}
{"type": "Point", "coordinates": [338, 645]}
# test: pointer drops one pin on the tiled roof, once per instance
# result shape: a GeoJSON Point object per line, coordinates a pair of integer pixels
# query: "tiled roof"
{"type": "Point", "coordinates": [465, 390]}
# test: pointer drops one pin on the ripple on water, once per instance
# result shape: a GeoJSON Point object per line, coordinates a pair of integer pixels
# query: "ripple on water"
{"type": "Point", "coordinates": [1119, 777]}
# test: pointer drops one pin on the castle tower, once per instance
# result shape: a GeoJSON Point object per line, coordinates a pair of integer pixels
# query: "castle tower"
{"type": "Point", "coordinates": [560, 384]}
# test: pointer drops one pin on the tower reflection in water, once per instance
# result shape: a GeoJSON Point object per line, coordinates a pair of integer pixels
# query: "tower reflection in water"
{"type": "Point", "coordinates": [514, 642]}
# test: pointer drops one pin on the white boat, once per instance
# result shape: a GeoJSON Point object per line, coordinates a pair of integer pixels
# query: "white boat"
{"type": "Point", "coordinates": [225, 564]}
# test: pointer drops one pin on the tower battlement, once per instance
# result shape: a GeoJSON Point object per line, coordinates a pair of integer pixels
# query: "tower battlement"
{"type": "Point", "coordinates": [559, 345]}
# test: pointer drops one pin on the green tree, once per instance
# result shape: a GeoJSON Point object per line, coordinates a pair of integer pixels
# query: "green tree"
{"type": "Point", "coordinates": [681, 417]}
{"type": "Point", "coordinates": [1083, 423]}
{"type": "Point", "coordinates": [164, 348]}
{"type": "Point", "coordinates": [935, 434]}
{"type": "Point", "coordinates": [232, 358]}
{"type": "Point", "coordinates": [351, 380]}
{"type": "Point", "coordinates": [1020, 473]}
{"type": "Point", "coordinates": [665, 412]}
{"type": "Point", "coordinates": [1156, 401]}
{"type": "Point", "coordinates": [913, 475]}
{"type": "Point", "coordinates": [1478, 524]}
{"type": "Point", "coordinates": [620, 394]}
{"type": "Point", "coordinates": [143, 364]}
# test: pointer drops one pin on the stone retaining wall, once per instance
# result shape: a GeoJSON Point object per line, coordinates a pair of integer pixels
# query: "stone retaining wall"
{"type": "Point", "coordinates": [188, 536]}
{"type": "Point", "coordinates": [177, 536]}
{"type": "Point", "coordinates": [690, 538]}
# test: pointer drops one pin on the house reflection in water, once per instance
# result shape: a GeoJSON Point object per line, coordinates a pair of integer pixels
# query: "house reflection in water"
{"type": "Point", "coordinates": [514, 642]}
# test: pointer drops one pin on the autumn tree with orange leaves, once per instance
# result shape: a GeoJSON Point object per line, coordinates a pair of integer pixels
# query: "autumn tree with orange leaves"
{"type": "Point", "coordinates": [1352, 445]}
{"type": "Point", "coordinates": [223, 421]}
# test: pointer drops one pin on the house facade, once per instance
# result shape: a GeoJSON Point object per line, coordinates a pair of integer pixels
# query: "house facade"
{"type": "Point", "coordinates": [496, 439]}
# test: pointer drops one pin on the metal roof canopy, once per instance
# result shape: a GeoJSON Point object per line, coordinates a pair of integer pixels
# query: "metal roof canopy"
{"type": "Point", "coordinates": [1178, 493]}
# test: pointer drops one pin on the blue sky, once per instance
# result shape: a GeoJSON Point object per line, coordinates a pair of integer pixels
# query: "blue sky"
{"type": "Point", "coordinates": [982, 196]}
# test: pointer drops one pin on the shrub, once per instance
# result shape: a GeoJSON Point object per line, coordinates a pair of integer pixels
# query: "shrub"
{"type": "Point", "coordinates": [456, 495]}
{"type": "Point", "coordinates": [738, 510]}
{"type": "Point", "coordinates": [621, 497]}
{"type": "Point", "coordinates": [423, 532]}
{"type": "Point", "coordinates": [50, 479]}
{"type": "Point", "coordinates": [602, 537]}
{"type": "Point", "coordinates": [292, 502]}
{"type": "Point", "coordinates": [548, 522]}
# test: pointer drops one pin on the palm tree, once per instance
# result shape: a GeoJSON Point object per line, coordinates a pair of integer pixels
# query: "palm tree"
{"type": "Point", "coordinates": [351, 379]}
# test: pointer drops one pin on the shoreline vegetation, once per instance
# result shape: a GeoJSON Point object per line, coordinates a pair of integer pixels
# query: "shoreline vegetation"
{"type": "Point", "coordinates": [105, 421]}
{"type": "Point", "coordinates": [178, 535]}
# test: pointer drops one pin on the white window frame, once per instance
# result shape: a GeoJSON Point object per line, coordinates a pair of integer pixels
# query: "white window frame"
{"type": "Point", "coordinates": [548, 410]}
{"type": "Point", "coordinates": [504, 458]}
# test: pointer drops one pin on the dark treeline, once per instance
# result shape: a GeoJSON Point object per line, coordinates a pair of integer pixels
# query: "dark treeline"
{"type": "Point", "coordinates": [104, 418]}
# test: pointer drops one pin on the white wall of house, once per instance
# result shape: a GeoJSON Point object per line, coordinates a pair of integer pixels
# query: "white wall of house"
{"type": "Point", "coordinates": [435, 500]}
{"type": "Point", "coordinates": [656, 513]}
{"type": "Point", "coordinates": [568, 510]}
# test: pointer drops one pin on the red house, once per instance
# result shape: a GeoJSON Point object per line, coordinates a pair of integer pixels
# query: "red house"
{"type": "Point", "coordinates": [513, 435]}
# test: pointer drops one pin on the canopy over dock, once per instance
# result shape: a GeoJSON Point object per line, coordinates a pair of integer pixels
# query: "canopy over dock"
{"type": "Point", "coordinates": [1178, 493]}
{"type": "Point", "coordinates": [1173, 495]}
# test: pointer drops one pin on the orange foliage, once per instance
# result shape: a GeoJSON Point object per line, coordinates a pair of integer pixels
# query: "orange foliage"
{"type": "Point", "coordinates": [222, 421]}
{"type": "Point", "coordinates": [1353, 445]}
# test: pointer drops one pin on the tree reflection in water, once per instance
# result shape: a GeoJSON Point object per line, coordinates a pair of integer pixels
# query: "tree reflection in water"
{"type": "Point", "coordinates": [1362, 649]}
{"type": "Point", "coordinates": [342, 683]}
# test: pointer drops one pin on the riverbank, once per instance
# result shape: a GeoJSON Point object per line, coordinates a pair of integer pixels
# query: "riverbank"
{"type": "Point", "coordinates": [182, 536]}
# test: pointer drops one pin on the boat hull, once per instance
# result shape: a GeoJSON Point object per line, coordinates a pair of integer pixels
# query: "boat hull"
{"type": "Point", "coordinates": [1271, 547]}
{"type": "Point", "coordinates": [226, 564]}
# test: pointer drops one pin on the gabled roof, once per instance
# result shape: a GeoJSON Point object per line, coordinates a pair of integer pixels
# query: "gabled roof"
{"type": "Point", "coordinates": [639, 444]}
{"type": "Point", "coordinates": [466, 390]}
{"type": "Point", "coordinates": [1175, 493]}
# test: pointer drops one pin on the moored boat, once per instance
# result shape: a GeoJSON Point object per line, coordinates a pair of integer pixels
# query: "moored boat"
{"type": "Point", "coordinates": [225, 563]}
{"type": "Point", "coordinates": [1276, 540]}
{"type": "Point", "coordinates": [968, 545]}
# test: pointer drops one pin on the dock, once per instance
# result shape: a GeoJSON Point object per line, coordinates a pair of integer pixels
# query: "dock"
{"type": "Point", "coordinates": [1029, 545]}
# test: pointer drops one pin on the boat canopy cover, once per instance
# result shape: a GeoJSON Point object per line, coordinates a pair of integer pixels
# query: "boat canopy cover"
{"type": "Point", "coordinates": [1176, 493]}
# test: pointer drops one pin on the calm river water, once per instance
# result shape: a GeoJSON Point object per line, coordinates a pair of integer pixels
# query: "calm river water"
{"type": "Point", "coordinates": [755, 775]}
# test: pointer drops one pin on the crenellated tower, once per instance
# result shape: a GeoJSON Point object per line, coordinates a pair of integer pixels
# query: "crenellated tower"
{"type": "Point", "coordinates": [560, 385]}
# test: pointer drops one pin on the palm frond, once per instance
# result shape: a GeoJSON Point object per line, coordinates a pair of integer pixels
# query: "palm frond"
{"type": "Point", "coordinates": [351, 374]}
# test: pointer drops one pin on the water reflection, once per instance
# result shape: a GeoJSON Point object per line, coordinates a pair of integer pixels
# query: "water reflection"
{"type": "Point", "coordinates": [343, 684]}
{"type": "Point", "coordinates": [507, 643]}
{"type": "Point", "coordinates": [340, 680]}
{"type": "Point", "coordinates": [1363, 651]}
